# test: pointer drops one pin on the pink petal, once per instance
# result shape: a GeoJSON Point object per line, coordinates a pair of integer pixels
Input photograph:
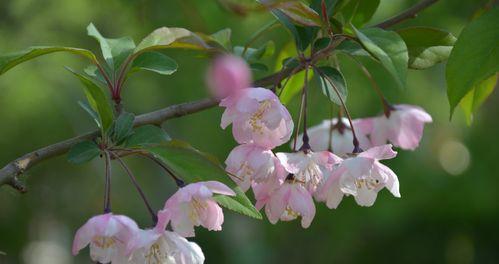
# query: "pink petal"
{"type": "Point", "coordinates": [379, 152]}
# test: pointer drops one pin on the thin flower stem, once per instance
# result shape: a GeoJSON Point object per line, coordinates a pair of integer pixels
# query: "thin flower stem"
{"type": "Point", "coordinates": [258, 34]}
{"type": "Point", "coordinates": [331, 129]}
{"type": "Point", "coordinates": [107, 187]}
{"type": "Point", "coordinates": [305, 146]}
{"type": "Point", "coordinates": [180, 183]}
{"type": "Point", "coordinates": [356, 148]}
{"type": "Point", "coordinates": [137, 186]}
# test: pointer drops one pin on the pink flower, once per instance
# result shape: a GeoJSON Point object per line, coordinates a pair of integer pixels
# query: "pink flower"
{"type": "Point", "coordinates": [404, 127]}
{"type": "Point", "coordinates": [290, 201]}
{"type": "Point", "coordinates": [108, 236]}
{"type": "Point", "coordinates": [264, 190]}
{"type": "Point", "coordinates": [193, 205]}
{"type": "Point", "coordinates": [227, 75]}
{"type": "Point", "coordinates": [258, 117]}
{"type": "Point", "coordinates": [361, 176]}
{"type": "Point", "coordinates": [308, 167]}
{"type": "Point", "coordinates": [159, 246]}
{"type": "Point", "coordinates": [250, 162]}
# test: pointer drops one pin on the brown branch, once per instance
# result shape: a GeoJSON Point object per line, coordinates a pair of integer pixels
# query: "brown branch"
{"type": "Point", "coordinates": [412, 12]}
{"type": "Point", "coordinates": [10, 173]}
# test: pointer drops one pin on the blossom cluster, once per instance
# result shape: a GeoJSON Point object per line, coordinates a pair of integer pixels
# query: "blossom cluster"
{"type": "Point", "coordinates": [118, 239]}
{"type": "Point", "coordinates": [325, 169]}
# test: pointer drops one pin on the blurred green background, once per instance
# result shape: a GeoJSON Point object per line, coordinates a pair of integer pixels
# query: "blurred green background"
{"type": "Point", "coordinates": [448, 213]}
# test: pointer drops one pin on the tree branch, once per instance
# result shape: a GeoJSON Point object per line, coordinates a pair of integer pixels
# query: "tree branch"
{"type": "Point", "coordinates": [10, 173]}
{"type": "Point", "coordinates": [412, 12]}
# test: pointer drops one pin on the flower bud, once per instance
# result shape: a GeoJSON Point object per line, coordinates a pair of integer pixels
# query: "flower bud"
{"type": "Point", "coordinates": [227, 75]}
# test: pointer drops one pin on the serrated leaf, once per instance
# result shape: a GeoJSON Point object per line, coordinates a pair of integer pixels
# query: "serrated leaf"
{"type": "Point", "coordinates": [10, 60]}
{"type": "Point", "coordinates": [332, 83]}
{"type": "Point", "coordinates": [387, 47]}
{"type": "Point", "coordinates": [83, 152]}
{"type": "Point", "coordinates": [97, 100]}
{"type": "Point", "coordinates": [193, 165]}
{"type": "Point", "coordinates": [165, 37]}
{"type": "Point", "coordinates": [300, 14]}
{"type": "Point", "coordinates": [155, 62]}
{"type": "Point", "coordinates": [123, 126]}
{"type": "Point", "coordinates": [114, 51]}
{"type": "Point", "coordinates": [240, 204]}
{"type": "Point", "coordinates": [427, 46]}
{"type": "Point", "coordinates": [147, 135]}
{"type": "Point", "coordinates": [476, 97]}
{"type": "Point", "coordinates": [474, 58]}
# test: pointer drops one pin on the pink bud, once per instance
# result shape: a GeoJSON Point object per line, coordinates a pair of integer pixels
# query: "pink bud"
{"type": "Point", "coordinates": [227, 75]}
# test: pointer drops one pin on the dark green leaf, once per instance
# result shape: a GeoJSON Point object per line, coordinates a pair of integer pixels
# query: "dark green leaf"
{"type": "Point", "coordinates": [252, 54]}
{"type": "Point", "coordinates": [321, 43]}
{"type": "Point", "coordinates": [164, 37]}
{"type": "Point", "coordinates": [259, 67]}
{"type": "Point", "coordinates": [317, 6]}
{"type": "Point", "coordinates": [155, 62]}
{"type": "Point", "coordinates": [300, 14]}
{"type": "Point", "coordinates": [83, 152]}
{"type": "Point", "coordinates": [147, 135]}
{"type": "Point", "coordinates": [389, 48]}
{"type": "Point", "coordinates": [474, 58]}
{"type": "Point", "coordinates": [114, 51]}
{"type": "Point", "coordinates": [10, 60]}
{"type": "Point", "coordinates": [91, 112]}
{"type": "Point", "coordinates": [332, 83]}
{"type": "Point", "coordinates": [123, 126]}
{"type": "Point", "coordinates": [426, 46]}
{"type": "Point", "coordinates": [359, 12]}
{"type": "Point", "coordinates": [302, 35]}
{"type": "Point", "coordinates": [476, 97]}
{"type": "Point", "coordinates": [97, 100]}
{"type": "Point", "coordinates": [193, 166]}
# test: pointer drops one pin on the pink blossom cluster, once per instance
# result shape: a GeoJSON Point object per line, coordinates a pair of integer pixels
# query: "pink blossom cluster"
{"type": "Point", "coordinates": [118, 239]}
{"type": "Point", "coordinates": [286, 184]}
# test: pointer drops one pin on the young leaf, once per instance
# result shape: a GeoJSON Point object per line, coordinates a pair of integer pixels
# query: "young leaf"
{"type": "Point", "coordinates": [359, 12]}
{"type": "Point", "coordinates": [426, 46]}
{"type": "Point", "coordinates": [91, 112]}
{"type": "Point", "coordinates": [239, 203]}
{"type": "Point", "coordinates": [114, 51]}
{"type": "Point", "coordinates": [303, 36]}
{"type": "Point", "coordinates": [222, 38]}
{"type": "Point", "coordinates": [300, 14]}
{"type": "Point", "coordinates": [83, 152]}
{"type": "Point", "coordinates": [193, 166]}
{"type": "Point", "coordinates": [164, 37]}
{"type": "Point", "coordinates": [147, 135]}
{"type": "Point", "coordinates": [476, 97]}
{"type": "Point", "coordinates": [389, 48]}
{"type": "Point", "coordinates": [123, 126]}
{"type": "Point", "coordinates": [252, 54]}
{"type": "Point", "coordinates": [97, 100]}
{"type": "Point", "coordinates": [474, 58]}
{"type": "Point", "coordinates": [155, 62]}
{"type": "Point", "coordinates": [330, 79]}
{"type": "Point", "coordinates": [10, 60]}
{"type": "Point", "coordinates": [93, 71]}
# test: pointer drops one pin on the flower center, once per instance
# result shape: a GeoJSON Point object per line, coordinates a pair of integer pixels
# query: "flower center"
{"type": "Point", "coordinates": [195, 209]}
{"type": "Point", "coordinates": [368, 183]}
{"type": "Point", "coordinates": [256, 118]}
{"type": "Point", "coordinates": [289, 214]}
{"type": "Point", "coordinates": [155, 255]}
{"type": "Point", "coordinates": [310, 175]}
{"type": "Point", "coordinates": [246, 170]}
{"type": "Point", "coordinates": [104, 242]}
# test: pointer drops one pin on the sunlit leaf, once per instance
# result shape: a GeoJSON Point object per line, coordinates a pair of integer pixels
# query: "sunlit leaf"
{"type": "Point", "coordinates": [427, 46]}
{"type": "Point", "coordinates": [83, 152]}
{"type": "Point", "coordinates": [221, 38]}
{"type": "Point", "coordinates": [300, 14]}
{"type": "Point", "coordinates": [474, 58]}
{"type": "Point", "coordinates": [165, 37]}
{"type": "Point", "coordinates": [10, 60]}
{"type": "Point", "coordinates": [476, 97]}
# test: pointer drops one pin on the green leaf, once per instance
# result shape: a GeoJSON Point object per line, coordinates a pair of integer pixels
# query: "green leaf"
{"type": "Point", "coordinates": [303, 36]}
{"type": "Point", "coordinates": [300, 14]}
{"type": "Point", "coordinates": [114, 51]}
{"type": "Point", "coordinates": [252, 54]}
{"type": "Point", "coordinates": [10, 60]}
{"type": "Point", "coordinates": [239, 203]}
{"type": "Point", "coordinates": [221, 38]}
{"type": "Point", "coordinates": [427, 46]}
{"type": "Point", "coordinates": [91, 112]}
{"type": "Point", "coordinates": [389, 48]}
{"type": "Point", "coordinates": [359, 12]}
{"type": "Point", "coordinates": [97, 100]}
{"type": "Point", "coordinates": [123, 126]}
{"type": "Point", "coordinates": [93, 71]}
{"type": "Point", "coordinates": [259, 67]}
{"type": "Point", "coordinates": [317, 6]}
{"type": "Point", "coordinates": [155, 62]}
{"type": "Point", "coordinates": [193, 165]}
{"type": "Point", "coordinates": [474, 58]}
{"type": "Point", "coordinates": [83, 152]}
{"type": "Point", "coordinates": [476, 97]}
{"type": "Point", "coordinates": [164, 37]}
{"type": "Point", "coordinates": [330, 78]}
{"type": "Point", "coordinates": [147, 135]}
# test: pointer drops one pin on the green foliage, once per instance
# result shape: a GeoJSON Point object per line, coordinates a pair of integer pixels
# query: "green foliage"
{"type": "Point", "coordinates": [427, 46]}
{"type": "Point", "coordinates": [330, 6]}
{"type": "Point", "coordinates": [389, 48]}
{"type": "Point", "coordinates": [83, 152]}
{"type": "Point", "coordinates": [155, 62]}
{"type": "Point", "coordinates": [358, 12]}
{"type": "Point", "coordinates": [123, 127]}
{"type": "Point", "coordinates": [114, 51]}
{"type": "Point", "coordinates": [163, 38]}
{"type": "Point", "coordinates": [222, 38]}
{"type": "Point", "coordinates": [332, 84]}
{"type": "Point", "coordinates": [97, 100]}
{"type": "Point", "coordinates": [477, 96]}
{"type": "Point", "coordinates": [240, 203]}
{"type": "Point", "coordinates": [10, 60]}
{"type": "Point", "coordinates": [300, 14]}
{"type": "Point", "coordinates": [147, 135]}
{"type": "Point", "coordinates": [474, 58]}
{"type": "Point", "coordinates": [193, 165]}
